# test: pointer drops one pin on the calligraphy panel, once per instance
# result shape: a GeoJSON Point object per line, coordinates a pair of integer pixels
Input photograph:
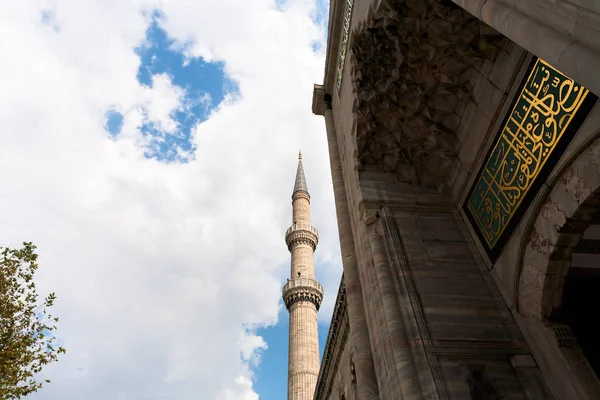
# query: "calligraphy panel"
{"type": "Point", "coordinates": [545, 115]}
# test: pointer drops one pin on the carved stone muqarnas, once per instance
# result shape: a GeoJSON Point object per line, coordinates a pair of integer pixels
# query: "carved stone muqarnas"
{"type": "Point", "coordinates": [302, 234]}
{"type": "Point", "coordinates": [411, 65]}
{"type": "Point", "coordinates": [302, 289]}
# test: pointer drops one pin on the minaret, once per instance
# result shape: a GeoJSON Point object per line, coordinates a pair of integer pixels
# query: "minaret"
{"type": "Point", "coordinates": [302, 296]}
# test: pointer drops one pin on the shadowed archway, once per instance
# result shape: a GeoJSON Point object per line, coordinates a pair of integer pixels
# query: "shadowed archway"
{"type": "Point", "coordinates": [559, 284]}
{"type": "Point", "coordinates": [581, 290]}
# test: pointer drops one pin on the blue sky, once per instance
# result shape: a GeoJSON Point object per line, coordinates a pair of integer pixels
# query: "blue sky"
{"type": "Point", "coordinates": [160, 224]}
{"type": "Point", "coordinates": [204, 84]}
{"type": "Point", "coordinates": [271, 376]}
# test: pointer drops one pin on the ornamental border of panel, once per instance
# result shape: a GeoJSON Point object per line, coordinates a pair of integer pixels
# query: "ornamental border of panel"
{"type": "Point", "coordinates": [344, 45]}
{"type": "Point", "coordinates": [545, 115]}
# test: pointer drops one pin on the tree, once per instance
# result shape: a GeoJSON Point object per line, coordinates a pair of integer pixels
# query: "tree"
{"type": "Point", "coordinates": [26, 339]}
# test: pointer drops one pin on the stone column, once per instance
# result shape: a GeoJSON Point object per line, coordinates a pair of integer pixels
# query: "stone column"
{"type": "Point", "coordinates": [302, 296]}
{"type": "Point", "coordinates": [407, 383]}
{"type": "Point", "coordinates": [560, 32]}
{"type": "Point", "coordinates": [399, 375]}
{"type": "Point", "coordinates": [366, 379]}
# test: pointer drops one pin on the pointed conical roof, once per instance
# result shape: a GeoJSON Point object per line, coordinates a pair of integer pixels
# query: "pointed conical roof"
{"type": "Point", "coordinates": [300, 184]}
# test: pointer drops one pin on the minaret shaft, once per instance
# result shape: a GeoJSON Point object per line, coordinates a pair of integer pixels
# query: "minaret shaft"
{"type": "Point", "coordinates": [302, 261]}
{"type": "Point", "coordinates": [303, 361]}
{"type": "Point", "coordinates": [302, 296]}
{"type": "Point", "coordinates": [301, 210]}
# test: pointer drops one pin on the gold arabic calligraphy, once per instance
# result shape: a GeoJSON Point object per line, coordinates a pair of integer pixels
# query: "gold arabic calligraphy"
{"type": "Point", "coordinates": [538, 120]}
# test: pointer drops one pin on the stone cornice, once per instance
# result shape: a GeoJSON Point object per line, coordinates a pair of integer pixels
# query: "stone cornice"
{"type": "Point", "coordinates": [321, 100]}
{"type": "Point", "coordinates": [302, 289]}
{"type": "Point", "coordinates": [318, 102]}
{"type": "Point", "coordinates": [334, 346]}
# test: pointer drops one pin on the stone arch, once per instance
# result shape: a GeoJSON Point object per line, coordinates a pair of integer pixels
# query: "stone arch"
{"type": "Point", "coordinates": [563, 217]}
{"type": "Point", "coordinates": [571, 206]}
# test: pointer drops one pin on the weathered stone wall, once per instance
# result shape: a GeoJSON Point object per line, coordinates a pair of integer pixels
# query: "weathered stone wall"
{"type": "Point", "coordinates": [445, 295]}
{"type": "Point", "coordinates": [343, 382]}
{"type": "Point", "coordinates": [442, 320]}
{"type": "Point", "coordinates": [390, 301]}
{"type": "Point", "coordinates": [342, 106]}
{"type": "Point", "coordinates": [459, 319]}
{"type": "Point", "coordinates": [337, 377]}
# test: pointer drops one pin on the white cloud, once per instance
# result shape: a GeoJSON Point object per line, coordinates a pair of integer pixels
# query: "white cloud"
{"type": "Point", "coordinates": [161, 101]}
{"type": "Point", "coordinates": [250, 346]}
{"type": "Point", "coordinates": [159, 268]}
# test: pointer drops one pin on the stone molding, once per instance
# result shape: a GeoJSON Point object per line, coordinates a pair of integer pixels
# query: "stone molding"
{"type": "Point", "coordinates": [300, 233]}
{"type": "Point", "coordinates": [343, 45]}
{"type": "Point", "coordinates": [334, 347]}
{"type": "Point", "coordinates": [411, 65]}
{"type": "Point", "coordinates": [302, 289]}
{"type": "Point", "coordinates": [334, 40]}
{"type": "Point", "coordinates": [300, 194]}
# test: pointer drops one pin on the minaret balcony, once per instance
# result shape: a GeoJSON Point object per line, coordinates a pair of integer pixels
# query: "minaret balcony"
{"type": "Point", "coordinates": [302, 289]}
{"type": "Point", "coordinates": [301, 233]}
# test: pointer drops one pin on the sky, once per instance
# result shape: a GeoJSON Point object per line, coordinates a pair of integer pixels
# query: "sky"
{"type": "Point", "coordinates": [149, 149]}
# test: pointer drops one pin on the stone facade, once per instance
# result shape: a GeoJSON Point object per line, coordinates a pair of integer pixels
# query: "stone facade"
{"type": "Point", "coordinates": [415, 94]}
{"type": "Point", "coordinates": [302, 296]}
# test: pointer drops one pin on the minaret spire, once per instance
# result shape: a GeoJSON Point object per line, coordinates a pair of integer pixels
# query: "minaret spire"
{"type": "Point", "coordinates": [302, 296]}
{"type": "Point", "coordinates": [300, 184]}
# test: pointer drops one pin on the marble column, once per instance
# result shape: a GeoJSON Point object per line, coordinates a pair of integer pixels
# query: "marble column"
{"type": "Point", "coordinates": [359, 335]}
